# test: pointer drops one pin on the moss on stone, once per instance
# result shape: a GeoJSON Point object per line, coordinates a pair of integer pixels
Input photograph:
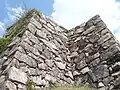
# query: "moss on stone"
{"type": "Point", "coordinates": [3, 43]}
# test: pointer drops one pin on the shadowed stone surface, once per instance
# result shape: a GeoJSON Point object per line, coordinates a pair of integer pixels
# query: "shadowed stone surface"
{"type": "Point", "coordinates": [48, 53]}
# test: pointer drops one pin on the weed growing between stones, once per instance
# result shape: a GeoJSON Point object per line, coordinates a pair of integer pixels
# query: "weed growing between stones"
{"type": "Point", "coordinates": [30, 85]}
{"type": "Point", "coordinates": [68, 88]}
{"type": "Point", "coordinates": [72, 88]}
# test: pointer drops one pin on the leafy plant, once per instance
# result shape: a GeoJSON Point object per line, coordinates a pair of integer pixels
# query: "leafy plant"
{"type": "Point", "coordinates": [30, 85]}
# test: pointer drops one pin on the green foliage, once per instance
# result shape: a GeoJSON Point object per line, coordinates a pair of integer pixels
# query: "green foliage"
{"type": "Point", "coordinates": [38, 13]}
{"type": "Point", "coordinates": [69, 87]}
{"type": "Point", "coordinates": [15, 29]}
{"type": "Point", "coordinates": [30, 85]}
{"type": "Point", "coordinates": [3, 43]}
{"type": "Point", "coordinates": [72, 88]}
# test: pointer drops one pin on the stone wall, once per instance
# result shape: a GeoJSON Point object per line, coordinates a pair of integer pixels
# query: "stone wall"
{"type": "Point", "coordinates": [47, 53]}
{"type": "Point", "coordinates": [39, 55]}
{"type": "Point", "coordinates": [95, 54]}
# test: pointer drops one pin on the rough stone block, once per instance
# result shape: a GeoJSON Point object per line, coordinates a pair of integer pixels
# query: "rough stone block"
{"type": "Point", "coordinates": [26, 59]}
{"type": "Point", "coordinates": [17, 75]}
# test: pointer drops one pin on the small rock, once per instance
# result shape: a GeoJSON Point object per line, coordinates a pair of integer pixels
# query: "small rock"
{"type": "Point", "coordinates": [100, 84]}
{"type": "Point", "coordinates": [60, 65]}
{"type": "Point", "coordinates": [38, 80]}
{"type": "Point", "coordinates": [103, 88]}
{"type": "Point", "coordinates": [74, 54]}
{"type": "Point", "coordinates": [76, 73]}
{"type": "Point", "coordinates": [42, 66]}
{"type": "Point", "coordinates": [85, 70]}
{"type": "Point", "coordinates": [10, 86]}
{"type": "Point", "coordinates": [92, 76]}
{"type": "Point", "coordinates": [21, 87]}
{"type": "Point", "coordinates": [104, 38]}
{"type": "Point", "coordinates": [2, 80]}
{"type": "Point", "coordinates": [31, 37]}
{"type": "Point", "coordinates": [79, 30]}
{"type": "Point", "coordinates": [69, 74]}
{"type": "Point", "coordinates": [36, 23]}
{"type": "Point", "coordinates": [5, 58]}
{"type": "Point", "coordinates": [81, 64]}
{"type": "Point", "coordinates": [41, 34]}
{"type": "Point", "coordinates": [117, 82]}
{"type": "Point", "coordinates": [32, 28]}
{"type": "Point", "coordinates": [50, 26]}
{"type": "Point", "coordinates": [50, 78]}
{"type": "Point", "coordinates": [43, 21]}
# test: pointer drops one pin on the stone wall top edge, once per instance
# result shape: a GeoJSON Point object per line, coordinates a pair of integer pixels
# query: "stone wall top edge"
{"type": "Point", "coordinates": [84, 23]}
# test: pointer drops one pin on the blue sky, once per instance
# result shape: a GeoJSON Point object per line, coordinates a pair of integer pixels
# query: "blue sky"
{"type": "Point", "coordinates": [67, 13]}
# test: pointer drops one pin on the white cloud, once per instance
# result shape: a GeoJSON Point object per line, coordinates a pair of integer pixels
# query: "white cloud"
{"type": "Point", "coordinates": [117, 35]}
{"type": "Point", "coordinates": [2, 26]}
{"type": "Point", "coordinates": [70, 13]}
{"type": "Point", "coordinates": [15, 13]}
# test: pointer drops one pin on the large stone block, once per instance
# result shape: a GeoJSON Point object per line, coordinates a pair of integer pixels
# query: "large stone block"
{"type": "Point", "coordinates": [17, 75]}
{"type": "Point", "coordinates": [36, 23]}
{"type": "Point", "coordinates": [26, 59]}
